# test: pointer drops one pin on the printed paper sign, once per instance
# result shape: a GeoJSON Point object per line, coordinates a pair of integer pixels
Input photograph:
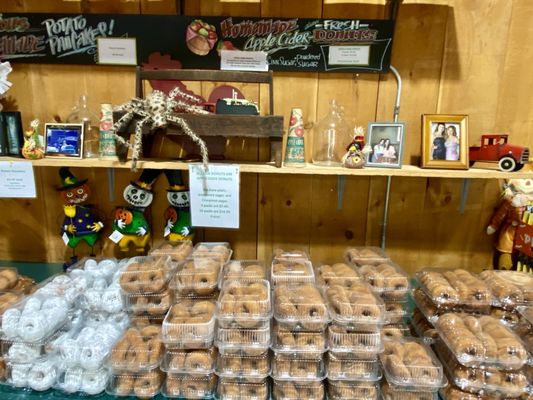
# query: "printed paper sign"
{"type": "Point", "coordinates": [116, 236]}
{"type": "Point", "coordinates": [349, 55]}
{"type": "Point", "coordinates": [215, 195]}
{"type": "Point", "coordinates": [235, 60]}
{"type": "Point", "coordinates": [17, 180]}
{"type": "Point", "coordinates": [122, 51]}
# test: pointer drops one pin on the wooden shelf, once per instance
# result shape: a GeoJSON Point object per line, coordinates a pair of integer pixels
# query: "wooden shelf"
{"type": "Point", "coordinates": [269, 168]}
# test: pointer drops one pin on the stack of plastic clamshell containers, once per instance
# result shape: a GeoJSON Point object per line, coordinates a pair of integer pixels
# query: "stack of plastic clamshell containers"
{"type": "Point", "coordinates": [243, 313]}
{"type": "Point", "coordinates": [301, 318]}
{"type": "Point", "coordinates": [188, 329]}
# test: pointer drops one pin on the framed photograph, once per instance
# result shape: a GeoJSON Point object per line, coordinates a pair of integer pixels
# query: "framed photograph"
{"type": "Point", "coordinates": [444, 141]}
{"type": "Point", "coordinates": [63, 140]}
{"type": "Point", "coordinates": [386, 142]}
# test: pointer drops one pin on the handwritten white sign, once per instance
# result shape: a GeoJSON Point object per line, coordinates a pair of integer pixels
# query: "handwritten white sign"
{"type": "Point", "coordinates": [17, 180]}
{"type": "Point", "coordinates": [215, 195]}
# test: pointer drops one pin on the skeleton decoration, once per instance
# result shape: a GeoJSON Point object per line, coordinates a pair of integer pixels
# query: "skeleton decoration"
{"type": "Point", "coordinates": [130, 222]}
{"type": "Point", "coordinates": [178, 214]}
{"type": "Point", "coordinates": [157, 111]}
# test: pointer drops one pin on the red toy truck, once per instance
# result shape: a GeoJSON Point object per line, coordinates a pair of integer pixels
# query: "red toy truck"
{"type": "Point", "coordinates": [494, 148]}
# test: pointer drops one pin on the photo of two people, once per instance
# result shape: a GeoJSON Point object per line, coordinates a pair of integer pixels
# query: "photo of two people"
{"type": "Point", "coordinates": [446, 141]}
{"type": "Point", "coordinates": [386, 141]}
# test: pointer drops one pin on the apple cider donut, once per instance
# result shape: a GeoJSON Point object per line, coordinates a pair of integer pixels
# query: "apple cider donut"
{"type": "Point", "coordinates": [147, 385]}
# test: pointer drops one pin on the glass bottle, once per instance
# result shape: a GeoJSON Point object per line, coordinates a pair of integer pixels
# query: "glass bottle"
{"type": "Point", "coordinates": [82, 115]}
{"type": "Point", "coordinates": [330, 138]}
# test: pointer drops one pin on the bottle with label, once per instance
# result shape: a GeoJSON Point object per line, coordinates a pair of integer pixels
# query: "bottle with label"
{"type": "Point", "coordinates": [82, 115]}
{"type": "Point", "coordinates": [107, 147]}
{"type": "Point", "coordinates": [331, 137]}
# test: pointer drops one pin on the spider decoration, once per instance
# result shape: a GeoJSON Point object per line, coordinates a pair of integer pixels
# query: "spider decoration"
{"type": "Point", "coordinates": [157, 111]}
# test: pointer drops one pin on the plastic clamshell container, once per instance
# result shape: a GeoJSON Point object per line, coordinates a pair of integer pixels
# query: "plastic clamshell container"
{"type": "Point", "coordinates": [423, 328]}
{"type": "Point", "coordinates": [197, 277]}
{"type": "Point", "coordinates": [8, 278]}
{"type": "Point", "coordinates": [395, 311]}
{"type": "Point", "coordinates": [238, 341]}
{"type": "Point", "coordinates": [294, 253]}
{"type": "Point", "coordinates": [15, 351]}
{"type": "Point", "coordinates": [352, 390]}
{"type": "Point", "coordinates": [346, 366]}
{"type": "Point", "coordinates": [452, 392]}
{"type": "Point", "coordinates": [7, 300]}
{"type": "Point", "coordinates": [365, 255]}
{"type": "Point", "coordinates": [186, 328]}
{"type": "Point", "coordinates": [136, 353]}
{"type": "Point", "coordinates": [336, 274]}
{"type": "Point", "coordinates": [294, 367]}
{"type": "Point", "coordinates": [244, 304]}
{"type": "Point", "coordinates": [67, 287]}
{"type": "Point", "coordinates": [426, 306]}
{"type": "Point", "coordinates": [527, 313]}
{"type": "Point", "coordinates": [177, 251]}
{"type": "Point", "coordinates": [238, 366]}
{"type": "Point", "coordinates": [300, 307]}
{"type": "Point", "coordinates": [129, 384]}
{"type": "Point", "coordinates": [191, 362]}
{"type": "Point", "coordinates": [186, 386]}
{"type": "Point", "coordinates": [449, 289]}
{"type": "Point", "coordinates": [235, 389]}
{"type": "Point", "coordinates": [289, 271]}
{"type": "Point", "coordinates": [219, 251]}
{"type": "Point", "coordinates": [146, 274]}
{"type": "Point", "coordinates": [248, 270]}
{"type": "Point", "coordinates": [392, 331]}
{"type": "Point", "coordinates": [387, 279]}
{"type": "Point", "coordinates": [298, 390]}
{"type": "Point", "coordinates": [363, 344]}
{"type": "Point", "coordinates": [145, 319]}
{"type": "Point", "coordinates": [509, 288]}
{"type": "Point", "coordinates": [18, 374]}
{"type": "Point", "coordinates": [472, 351]}
{"type": "Point", "coordinates": [390, 392]}
{"type": "Point", "coordinates": [356, 306]}
{"type": "Point", "coordinates": [82, 382]}
{"type": "Point", "coordinates": [421, 369]}
{"type": "Point", "coordinates": [97, 267]}
{"type": "Point", "coordinates": [150, 303]}
{"type": "Point", "coordinates": [287, 341]}
{"type": "Point", "coordinates": [510, 318]}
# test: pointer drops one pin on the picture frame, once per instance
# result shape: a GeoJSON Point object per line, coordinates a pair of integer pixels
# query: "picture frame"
{"type": "Point", "coordinates": [386, 141]}
{"type": "Point", "coordinates": [63, 140]}
{"type": "Point", "coordinates": [444, 141]}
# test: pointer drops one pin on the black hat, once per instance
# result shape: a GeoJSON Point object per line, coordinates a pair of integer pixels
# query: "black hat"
{"type": "Point", "coordinates": [68, 180]}
{"type": "Point", "coordinates": [175, 180]}
{"type": "Point", "coordinates": [147, 179]}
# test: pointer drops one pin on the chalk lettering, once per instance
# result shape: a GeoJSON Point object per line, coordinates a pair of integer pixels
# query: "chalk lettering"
{"type": "Point", "coordinates": [15, 47]}
{"type": "Point", "coordinates": [13, 24]}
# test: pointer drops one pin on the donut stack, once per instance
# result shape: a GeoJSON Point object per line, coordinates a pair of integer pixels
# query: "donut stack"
{"type": "Point", "coordinates": [177, 251]}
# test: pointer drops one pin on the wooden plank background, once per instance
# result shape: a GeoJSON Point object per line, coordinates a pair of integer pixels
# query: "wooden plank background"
{"type": "Point", "coordinates": [454, 57]}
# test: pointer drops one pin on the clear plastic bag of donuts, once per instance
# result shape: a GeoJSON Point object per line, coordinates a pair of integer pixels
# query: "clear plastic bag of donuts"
{"type": "Point", "coordinates": [286, 253]}
{"type": "Point", "coordinates": [481, 341]}
{"type": "Point", "coordinates": [244, 304]}
{"type": "Point", "coordinates": [355, 306]}
{"type": "Point", "coordinates": [138, 350]}
{"type": "Point", "coordinates": [147, 274]}
{"type": "Point", "coordinates": [197, 277]}
{"type": "Point", "coordinates": [39, 375]}
{"type": "Point", "coordinates": [364, 345]}
{"type": "Point", "coordinates": [149, 303]}
{"type": "Point", "coordinates": [336, 274]}
{"type": "Point", "coordinates": [426, 306]}
{"type": "Point", "coordinates": [192, 361]}
{"type": "Point", "coordinates": [455, 288]}
{"type": "Point", "coordinates": [509, 288]}
{"type": "Point", "coordinates": [35, 318]}
{"type": "Point", "coordinates": [190, 324]}
{"type": "Point", "coordinates": [247, 270]}
{"type": "Point", "coordinates": [391, 392]}
{"type": "Point", "coordinates": [177, 251]}
{"type": "Point", "coordinates": [287, 341]}
{"type": "Point", "coordinates": [387, 279]}
{"type": "Point", "coordinates": [238, 389]}
{"type": "Point", "coordinates": [291, 271]}
{"type": "Point", "coordinates": [395, 331]}
{"type": "Point", "coordinates": [300, 307]}
{"type": "Point", "coordinates": [410, 363]}
{"type": "Point", "coordinates": [423, 328]}
{"type": "Point", "coordinates": [79, 381]}
{"type": "Point", "coordinates": [239, 366]}
{"type": "Point", "coordinates": [347, 367]}
{"type": "Point", "coordinates": [297, 366]}
{"type": "Point", "coordinates": [219, 251]}
{"type": "Point", "coordinates": [185, 386]}
{"type": "Point", "coordinates": [352, 390]}
{"type": "Point", "coordinates": [249, 342]}
{"type": "Point", "coordinates": [365, 255]}
{"type": "Point", "coordinates": [298, 390]}
{"type": "Point", "coordinates": [144, 385]}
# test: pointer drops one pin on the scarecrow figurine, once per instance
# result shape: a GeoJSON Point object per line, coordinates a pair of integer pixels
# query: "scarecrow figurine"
{"type": "Point", "coordinates": [80, 224]}
{"type": "Point", "coordinates": [130, 221]}
{"type": "Point", "coordinates": [178, 214]}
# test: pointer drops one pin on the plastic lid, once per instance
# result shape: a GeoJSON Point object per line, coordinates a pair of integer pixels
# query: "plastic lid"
{"type": "Point", "coordinates": [190, 323]}
{"type": "Point", "coordinates": [294, 253]}
{"type": "Point", "coordinates": [192, 362]}
{"type": "Point", "coordinates": [291, 271]}
{"type": "Point", "coordinates": [177, 251]}
{"type": "Point", "coordinates": [219, 251]}
{"type": "Point", "coordinates": [197, 277]}
{"type": "Point", "coordinates": [352, 390]}
{"type": "Point", "coordinates": [238, 366]}
{"type": "Point", "coordinates": [311, 343]}
{"type": "Point", "coordinates": [290, 367]}
{"type": "Point", "coordinates": [509, 288]}
{"type": "Point", "coordinates": [152, 303]}
{"type": "Point", "coordinates": [363, 344]}
{"type": "Point", "coordinates": [145, 274]}
{"type": "Point", "coordinates": [336, 274]}
{"type": "Point", "coordinates": [345, 366]}
{"type": "Point", "coordinates": [243, 270]}
{"type": "Point", "coordinates": [385, 277]}
{"type": "Point", "coordinates": [365, 255]}
{"type": "Point", "coordinates": [253, 341]}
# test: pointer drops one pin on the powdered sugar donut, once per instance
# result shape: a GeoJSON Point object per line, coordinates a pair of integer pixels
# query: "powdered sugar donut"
{"type": "Point", "coordinates": [120, 319]}
{"type": "Point", "coordinates": [33, 327]}
{"type": "Point", "coordinates": [31, 305]}
{"type": "Point", "coordinates": [112, 300]}
{"type": "Point", "coordinates": [42, 376]}
{"type": "Point", "coordinates": [22, 353]}
{"type": "Point", "coordinates": [94, 382]}
{"type": "Point", "coordinates": [10, 320]}
{"type": "Point", "coordinates": [71, 380]}
{"type": "Point", "coordinates": [92, 357]}
{"type": "Point", "coordinates": [90, 264]}
{"type": "Point", "coordinates": [69, 352]}
{"type": "Point", "coordinates": [19, 375]}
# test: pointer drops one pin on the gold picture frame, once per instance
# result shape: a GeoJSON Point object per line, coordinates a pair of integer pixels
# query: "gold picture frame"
{"type": "Point", "coordinates": [444, 141]}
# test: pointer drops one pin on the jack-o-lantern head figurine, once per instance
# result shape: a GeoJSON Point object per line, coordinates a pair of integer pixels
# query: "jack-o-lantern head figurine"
{"type": "Point", "coordinates": [178, 214]}
{"type": "Point", "coordinates": [79, 224]}
{"type": "Point", "coordinates": [130, 221]}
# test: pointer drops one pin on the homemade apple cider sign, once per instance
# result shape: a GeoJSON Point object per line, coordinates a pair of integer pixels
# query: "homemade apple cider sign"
{"type": "Point", "coordinates": [347, 45]}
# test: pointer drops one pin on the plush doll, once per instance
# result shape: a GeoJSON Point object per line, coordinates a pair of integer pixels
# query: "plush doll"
{"type": "Point", "coordinates": [178, 214]}
{"type": "Point", "coordinates": [80, 223]}
{"type": "Point", "coordinates": [130, 221]}
{"type": "Point", "coordinates": [514, 207]}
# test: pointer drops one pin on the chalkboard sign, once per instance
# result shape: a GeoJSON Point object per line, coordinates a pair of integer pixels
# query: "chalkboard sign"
{"type": "Point", "coordinates": [336, 45]}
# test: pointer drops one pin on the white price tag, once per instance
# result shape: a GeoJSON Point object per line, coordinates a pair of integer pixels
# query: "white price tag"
{"type": "Point", "coordinates": [65, 238]}
{"type": "Point", "coordinates": [116, 236]}
{"type": "Point", "coordinates": [166, 232]}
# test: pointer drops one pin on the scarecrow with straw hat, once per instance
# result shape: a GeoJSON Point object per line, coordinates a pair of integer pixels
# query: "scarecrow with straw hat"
{"type": "Point", "coordinates": [178, 214]}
